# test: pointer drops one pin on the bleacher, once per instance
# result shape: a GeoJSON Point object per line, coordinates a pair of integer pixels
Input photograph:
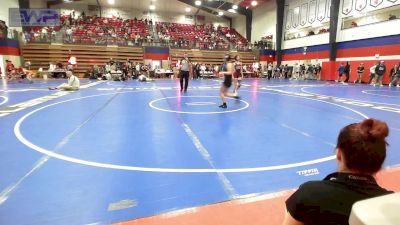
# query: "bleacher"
{"type": "Point", "coordinates": [193, 36]}
{"type": "Point", "coordinates": [93, 30]}
{"type": "Point", "coordinates": [96, 40]}
{"type": "Point", "coordinates": [116, 31]}
{"type": "Point", "coordinates": [234, 37]}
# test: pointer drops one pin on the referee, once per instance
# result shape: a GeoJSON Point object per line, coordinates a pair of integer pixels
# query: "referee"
{"type": "Point", "coordinates": [185, 68]}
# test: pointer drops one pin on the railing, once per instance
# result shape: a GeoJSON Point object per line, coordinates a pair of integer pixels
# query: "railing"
{"type": "Point", "coordinates": [348, 24]}
{"type": "Point", "coordinates": [264, 45]}
{"type": "Point", "coordinates": [291, 36]}
{"type": "Point", "coordinates": [55, 37]}
{"type": "Point", "coordinates": [371, 17]}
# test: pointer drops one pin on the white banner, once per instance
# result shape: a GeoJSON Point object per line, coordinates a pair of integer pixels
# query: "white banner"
{"type": "Point", "coordinates": [303, 14]}
{"type": "Point", "coordinates": [347, 7]}
{"type": "Point", "coordinates": [361, 4]}
{"type": "Point", "coordinates": [328, 13]}
{"type": "Point", "coordinates": [375, 3]}
{"type": "Point", "coordinates": [289, 17]}
{"type": "Point", "coordinates": [296, 14]}
{"type": "Point", "coordinates": [365, 6]}
{"type": "Point", "coordinates": [312, 12]}
{"type": "Point", "coordinates": [321, 10]}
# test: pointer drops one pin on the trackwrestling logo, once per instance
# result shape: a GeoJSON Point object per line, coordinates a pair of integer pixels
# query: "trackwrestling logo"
{"type": "Point", "coordinates": [309, 172]}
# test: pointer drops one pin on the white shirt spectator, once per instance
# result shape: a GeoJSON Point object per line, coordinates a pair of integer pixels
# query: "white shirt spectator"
{"type": "Point", "coordinates": [372, 69]}
{"type": "Point", "coordinates": [270, 66]}
{"type": "Point", "coordinates": [52, 67]}
{"type": "Point", "coordinates": [256, 66]}
{"type": "Point", "coordinates": [74, 82]}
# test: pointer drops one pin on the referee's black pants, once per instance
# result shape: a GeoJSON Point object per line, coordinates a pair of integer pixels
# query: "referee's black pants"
{"type": "Point", "coordinates": [184, 75]}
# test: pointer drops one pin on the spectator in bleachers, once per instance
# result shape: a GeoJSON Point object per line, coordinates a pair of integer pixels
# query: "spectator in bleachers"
{"type": "Point", "coordinates": [27, 36]}
{"type": "Point", "coordinates": [392, 17]}
{"type": "Point", "coordinates": [360, 153]}
{"type": "Point", "coordinates": [68, 32]}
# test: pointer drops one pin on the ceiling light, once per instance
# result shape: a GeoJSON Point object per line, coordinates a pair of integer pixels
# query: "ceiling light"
{"type": "Point", "coordinates": [220, 13]}
{"type": "Point", "coordinates": [152, 7]}
{"type": "Point", "coordinates": [231, 10]}
{"type": "Point", "coordinates": [254, 3]}
{"type": "Point", "coordinates": [235, 7]}
{"type": "Point", "coordinates": [188, 9]}
{"type": "Point", "coordinates": [111, 2]}
{"type": "Point", "coordinates": [197, 2]}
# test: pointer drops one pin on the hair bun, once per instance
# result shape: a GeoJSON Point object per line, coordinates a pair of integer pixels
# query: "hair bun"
{"type": "Point", "coordinates": [375, 128]}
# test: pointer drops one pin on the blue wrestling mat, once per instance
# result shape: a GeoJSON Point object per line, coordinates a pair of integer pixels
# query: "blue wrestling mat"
{"type": "Point", "coordinates": [114, 151]}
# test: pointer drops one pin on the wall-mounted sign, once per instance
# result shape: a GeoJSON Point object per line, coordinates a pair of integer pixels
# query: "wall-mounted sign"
{"type": "Point", "coordinates": [296, 14]}
{"type": "Point", "coordinates": [312, 11]}
{"type": "Point", "coordinates": [321, 10]}
{"type": "Point", "coordinates": [361, 4]}
{"type": "Point", "coordinates": [347, 7]}
{"type": "Point", "coordinates": [303, 14]}
{"type": "Point", "coordinates": [289, 18]}
{"type": "Point", "coordinates": [375, 3]}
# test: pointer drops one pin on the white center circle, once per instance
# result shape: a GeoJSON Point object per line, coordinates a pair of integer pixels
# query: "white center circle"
{"type": "Point", "coordinates": [5, 100]}
{"type": "Point", "coordinates": [153, 103]}
{"type": "Point", "coordinates": [201, 103]}
{"type": "Point", "coordinates": [22, 139]}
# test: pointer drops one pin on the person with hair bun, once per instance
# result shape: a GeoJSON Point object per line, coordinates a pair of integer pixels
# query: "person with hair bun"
{"type": "Point", "coordinates": [360, 153]}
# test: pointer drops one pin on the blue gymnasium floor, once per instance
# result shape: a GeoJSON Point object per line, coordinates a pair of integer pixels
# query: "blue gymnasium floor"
{"type": "Point", "coordinates": [117, 151]}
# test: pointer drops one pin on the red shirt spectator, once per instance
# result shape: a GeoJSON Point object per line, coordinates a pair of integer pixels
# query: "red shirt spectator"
{"type": "Point", "coordinates": [9, 66]}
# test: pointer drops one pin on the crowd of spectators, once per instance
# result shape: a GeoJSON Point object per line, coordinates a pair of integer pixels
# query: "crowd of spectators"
{"type": "Point", "coordinates": [94, 30]}
{"type": "Point", "coordinates": [84, 29]}
{"type": "Point", "coordinates": [190, 36]}
{"type": "Point", "coordinates": [235, 38]}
